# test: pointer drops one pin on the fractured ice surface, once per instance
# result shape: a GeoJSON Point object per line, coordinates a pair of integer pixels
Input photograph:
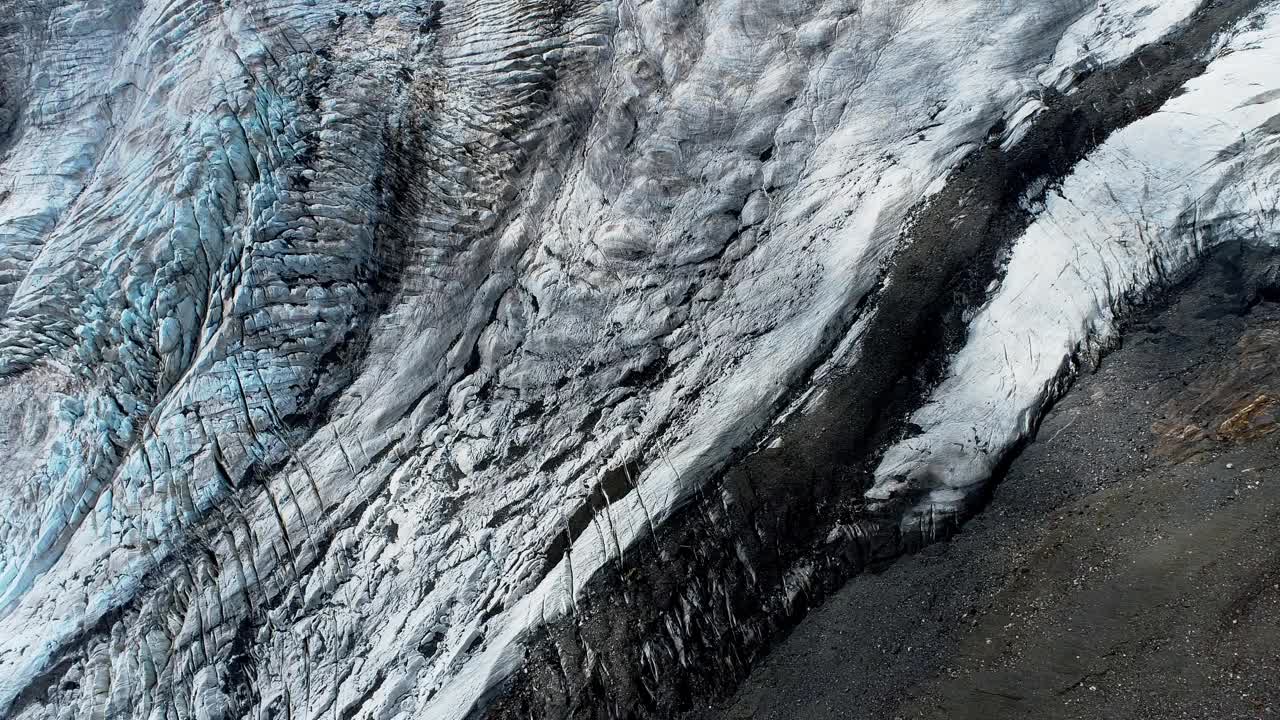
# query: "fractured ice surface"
{"type": "Point", "coordinates": [322, 320]}
{"type": "Point", "coordinates": [1135, 214]}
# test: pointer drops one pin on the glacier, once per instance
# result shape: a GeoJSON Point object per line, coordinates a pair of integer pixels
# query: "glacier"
{"type": "Point", "coordinates": [349, 347]}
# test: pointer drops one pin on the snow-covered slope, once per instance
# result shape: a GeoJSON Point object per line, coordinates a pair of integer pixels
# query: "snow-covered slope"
{"type": "Point", "coordinates": [344, 343]}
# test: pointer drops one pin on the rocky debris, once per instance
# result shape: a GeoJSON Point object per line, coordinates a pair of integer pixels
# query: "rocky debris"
{"type": "Point", "coordinates": [788, 523]}
{"type": "Point", "coordinates": [1231, 405]}
{"type": "Point", "coordinates": [1133, 215]}
{"type": "Point", "coordinates": [355, 352]}
{"type": "Point", "coordinates": [1104, 578]}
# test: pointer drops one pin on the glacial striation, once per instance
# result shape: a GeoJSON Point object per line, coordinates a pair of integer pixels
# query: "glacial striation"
{"type": "Point", "coordinates": [369, 359]}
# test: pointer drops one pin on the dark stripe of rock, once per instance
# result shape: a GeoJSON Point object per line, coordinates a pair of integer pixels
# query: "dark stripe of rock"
{"type": "Point", "coordinates": [684, 617]}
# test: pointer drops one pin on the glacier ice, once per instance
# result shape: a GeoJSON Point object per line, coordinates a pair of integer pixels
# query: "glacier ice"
{"type": "Point", "coordinates": [1133, 216]}
{"type": "Point", "coordinates": [343, 344]}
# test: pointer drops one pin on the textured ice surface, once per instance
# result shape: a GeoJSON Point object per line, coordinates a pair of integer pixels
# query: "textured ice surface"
{"type": "Point", "coordinates": [1135, 214]}
{"type": "Point", "coordinates": [1112, 31]}
{"type": "Point", "coordinates": [322, 320]}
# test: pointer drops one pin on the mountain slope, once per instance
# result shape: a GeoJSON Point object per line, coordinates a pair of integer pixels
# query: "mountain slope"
{"type": "Point", "coordinates": [535, 356]}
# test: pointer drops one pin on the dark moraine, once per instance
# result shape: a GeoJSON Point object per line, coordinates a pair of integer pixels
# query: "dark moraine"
{"type": "Point", "coordinates": [1127, 566]}
{"type": "Point", "coordinates": [685, 617]}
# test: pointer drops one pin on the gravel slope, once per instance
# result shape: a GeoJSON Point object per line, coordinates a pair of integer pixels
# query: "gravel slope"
{"type": "Point", "coordinates": [1127, 566]}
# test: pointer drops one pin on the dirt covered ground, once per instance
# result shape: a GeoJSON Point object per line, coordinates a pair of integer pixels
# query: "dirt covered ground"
{"type": "Point", "coordinates": [1126, 566]}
